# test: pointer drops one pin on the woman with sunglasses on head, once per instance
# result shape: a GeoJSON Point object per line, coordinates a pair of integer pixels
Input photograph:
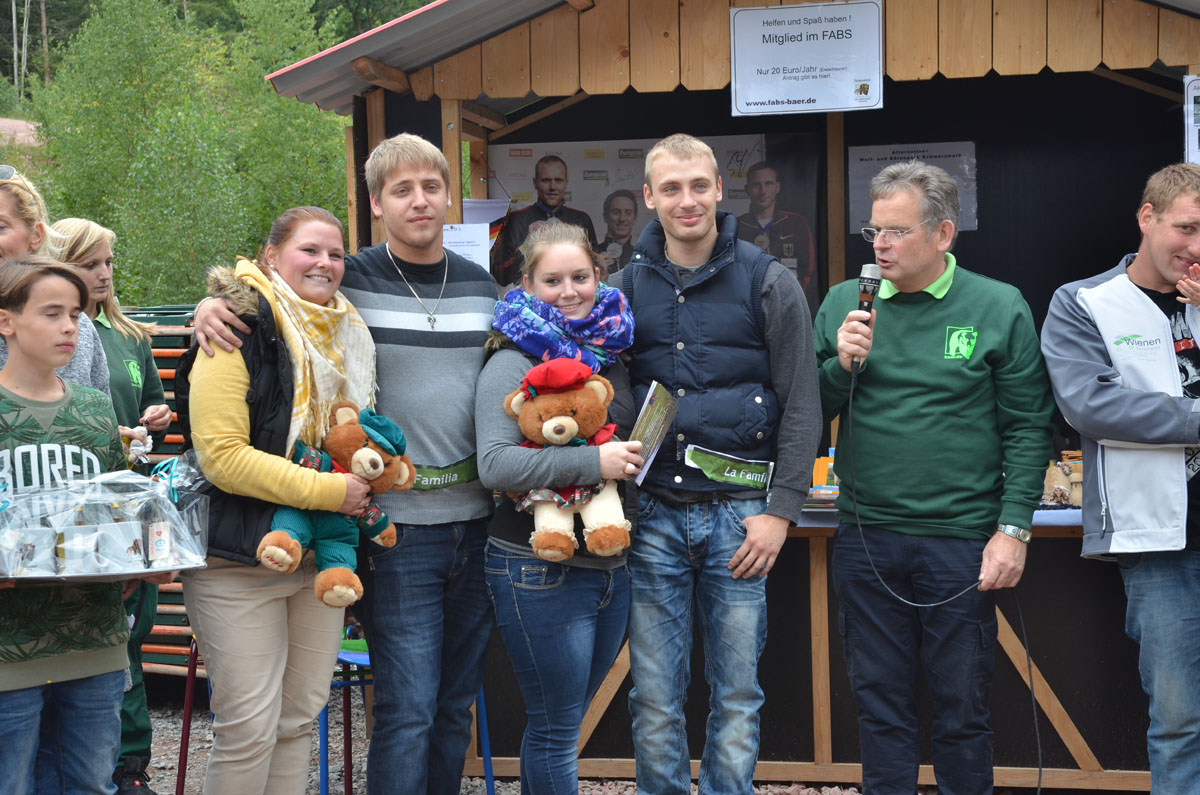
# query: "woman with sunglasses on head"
{"type": "Point", "coordinates": [139, 400]}
{"type": "Point", "coordinates": [562, 622]}
{"type": "Point", "coordinates": [25, 229]}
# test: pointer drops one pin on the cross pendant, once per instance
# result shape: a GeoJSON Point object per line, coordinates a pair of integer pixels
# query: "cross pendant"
{"type": "Point", "coordinates": [432, 322]}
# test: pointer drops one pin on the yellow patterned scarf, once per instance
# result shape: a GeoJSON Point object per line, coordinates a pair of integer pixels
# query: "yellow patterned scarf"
{"type": "Point", "coordinates": [332, 353]}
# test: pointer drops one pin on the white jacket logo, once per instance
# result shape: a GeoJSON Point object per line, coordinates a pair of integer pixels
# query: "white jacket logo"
{"type": "Point", "coordinates": [1135, 341]}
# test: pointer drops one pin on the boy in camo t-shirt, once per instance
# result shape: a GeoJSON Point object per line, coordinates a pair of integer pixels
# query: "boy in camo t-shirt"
{"type": "Point", "coordinates": [59, 644]}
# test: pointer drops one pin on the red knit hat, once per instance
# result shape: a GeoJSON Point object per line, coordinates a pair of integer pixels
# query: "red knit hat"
{"type": "Point", "coordinates": [554, 376]}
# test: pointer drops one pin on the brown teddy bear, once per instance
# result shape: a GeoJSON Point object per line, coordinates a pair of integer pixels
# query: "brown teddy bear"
{"type": "Point", "coordinates": [561, 402]}
{"type": "Point", "coordinates": [370, 446]}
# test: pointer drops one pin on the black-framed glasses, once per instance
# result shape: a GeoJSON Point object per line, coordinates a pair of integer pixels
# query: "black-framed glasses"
{"type": "Point", "coordinates": [871, 234]}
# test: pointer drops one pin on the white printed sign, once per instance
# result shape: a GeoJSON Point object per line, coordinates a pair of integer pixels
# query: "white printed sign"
{"type": "Point", "coordinates": [469, 241]}
{"type": "Point", "coordinates": [810, 58]}
{"type": "Point", "coordinates": [957, 158]}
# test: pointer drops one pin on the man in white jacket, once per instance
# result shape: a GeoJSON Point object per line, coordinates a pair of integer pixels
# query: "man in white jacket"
{"type": "Point", "coordinates": [1123, 359]}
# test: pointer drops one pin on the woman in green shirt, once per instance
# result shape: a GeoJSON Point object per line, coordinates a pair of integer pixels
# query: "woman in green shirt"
{"type": "Point", "coordinates": [137, 391]}
{"type": "Point", "coordinates": [139, 400]}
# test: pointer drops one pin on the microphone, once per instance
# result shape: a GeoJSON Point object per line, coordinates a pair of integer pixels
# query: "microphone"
{"type": "Point", "coordinates": [868, 287]}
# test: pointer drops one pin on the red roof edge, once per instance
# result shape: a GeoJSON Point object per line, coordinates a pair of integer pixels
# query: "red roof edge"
{"type": "Point", "coordinates": [357, 38]}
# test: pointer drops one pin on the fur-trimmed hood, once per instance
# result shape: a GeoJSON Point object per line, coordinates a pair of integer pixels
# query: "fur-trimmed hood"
{"type": "Point", "coordinates": [223, 282]}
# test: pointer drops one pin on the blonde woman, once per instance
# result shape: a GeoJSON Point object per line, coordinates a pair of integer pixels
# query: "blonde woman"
{"type": "Point", "coordinates": [25, 229]}
{"type": "Point", "coordinates": [136, 390]}
{"type": "Point", "coordinates": [138, 398]}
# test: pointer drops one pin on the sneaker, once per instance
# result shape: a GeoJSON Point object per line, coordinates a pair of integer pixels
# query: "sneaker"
{"type": "Point", "coordinates": [131, 778]}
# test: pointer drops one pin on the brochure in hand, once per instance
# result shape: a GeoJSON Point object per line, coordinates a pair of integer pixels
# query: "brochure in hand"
{"type": "Point", "coordinates": [653, 422]}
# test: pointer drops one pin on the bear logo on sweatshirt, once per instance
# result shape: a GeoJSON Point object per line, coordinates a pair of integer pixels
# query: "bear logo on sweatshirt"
{"type": "Point", "coordinates": [960, 341]}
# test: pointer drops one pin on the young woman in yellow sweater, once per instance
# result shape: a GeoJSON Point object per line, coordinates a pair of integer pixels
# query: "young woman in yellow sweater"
{"type": "Point", "coordinates": [268, 643]}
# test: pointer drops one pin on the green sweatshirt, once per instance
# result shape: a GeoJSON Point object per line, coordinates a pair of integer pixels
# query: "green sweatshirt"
{"type": "Point", "coordinates": [133, 378]}
{"type": "Point", "coordinates": [950, 429]}
{"type": "Point", "coordinates": [52, 633]}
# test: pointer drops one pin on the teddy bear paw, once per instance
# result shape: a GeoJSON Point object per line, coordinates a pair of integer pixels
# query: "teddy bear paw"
{"type": "Point", "coordinates": [338, 587]}
{"type": "Point", "coordinates": [607, 541]}
{"type": "Point", "coordinates": [340, 596]}
{"type": "Point", "coordinates": [553, 547]}
{"type": "Point", "coordinates": [279, 552]}
{"type": "Point", "coordinates": [387, 538]}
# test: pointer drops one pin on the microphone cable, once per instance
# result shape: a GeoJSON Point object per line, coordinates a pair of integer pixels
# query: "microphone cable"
{"type": "Point", "coordinates": [863, 538]}
{"type": "Point", "coordinates": [858, 520]}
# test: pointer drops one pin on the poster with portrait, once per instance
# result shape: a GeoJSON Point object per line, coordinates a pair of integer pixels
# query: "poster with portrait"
{"type": "Point", "coordinates": [769, 182]}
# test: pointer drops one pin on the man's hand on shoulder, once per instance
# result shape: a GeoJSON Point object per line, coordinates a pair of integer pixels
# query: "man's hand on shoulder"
{"type": "Point", "coordinates": [1003, 562]}
{"type": "Point", "coordinates": [212, 320]}
{"type": "Point", "coordinates": [765, 534]}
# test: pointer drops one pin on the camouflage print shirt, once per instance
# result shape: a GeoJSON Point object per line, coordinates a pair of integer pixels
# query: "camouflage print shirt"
{"type": "Point", "coordinates": [56, 632]}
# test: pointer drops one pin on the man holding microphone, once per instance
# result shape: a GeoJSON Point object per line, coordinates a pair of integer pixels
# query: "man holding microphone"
{"type": "Point", "coordinates": [941, 458]}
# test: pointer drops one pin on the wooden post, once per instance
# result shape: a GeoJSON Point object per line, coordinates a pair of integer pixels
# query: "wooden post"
{"type": "Point", "coordinates": [479, 170]}
{"type": "Point", "coordinates": [376, 132]}
{"type": "Point", "coordinates": [452, 149]}
{"type": "Point", "coordinates": [818, 596]}
{"type": "Point", "coordinates": [835, 170]}
{"type": "Point", "coordinates": [351, 193]}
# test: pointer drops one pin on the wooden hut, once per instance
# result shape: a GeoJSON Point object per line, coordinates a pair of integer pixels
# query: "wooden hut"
{"type": "Point", "coordinates": [1070, 104]}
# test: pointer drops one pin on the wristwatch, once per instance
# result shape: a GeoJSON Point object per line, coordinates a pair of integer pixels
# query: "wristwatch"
{"type": "Point", "coordinates": [1019, 533]}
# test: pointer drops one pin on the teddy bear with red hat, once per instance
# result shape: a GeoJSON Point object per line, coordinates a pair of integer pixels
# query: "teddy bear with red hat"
{"type": "Point", "coordinates": [561, 402]}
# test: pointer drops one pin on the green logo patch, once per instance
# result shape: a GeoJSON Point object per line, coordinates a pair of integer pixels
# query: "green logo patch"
{"type": "Point", "coordinates": [960, 342]}
{"type": "Point", "coordinates": [1126, 338]}
{"type": "Point", "coordinates": [135, 372]}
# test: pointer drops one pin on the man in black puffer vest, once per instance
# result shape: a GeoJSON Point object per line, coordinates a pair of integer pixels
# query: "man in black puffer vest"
{"type": "Point", "coordinates": [725, 328]}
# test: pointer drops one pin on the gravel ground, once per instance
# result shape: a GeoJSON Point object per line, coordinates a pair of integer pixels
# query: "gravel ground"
{"type": "Point", "coordinates": [166, 714]}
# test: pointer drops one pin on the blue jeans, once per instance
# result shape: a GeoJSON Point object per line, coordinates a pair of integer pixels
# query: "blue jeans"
{"type": "Point", "coordinates": [679, 563]}
{"type": "Point", "coordinates": [427, 619]}
{"type": "Point", "coordinates": [1163, 616]}
{"type": "Point", "coordinates": [563, 627]}
{"type": "Point", "coordinates": [887, 644]}
{"type": "Point", "coordinates": [87, 728]}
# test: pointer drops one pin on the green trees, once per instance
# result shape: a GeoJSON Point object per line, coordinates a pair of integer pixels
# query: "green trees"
{"type": "Point", "coordinates": [170, 136]}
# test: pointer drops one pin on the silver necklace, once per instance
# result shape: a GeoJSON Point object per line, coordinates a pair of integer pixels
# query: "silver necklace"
{"type": "Point", "coordinates": [445, 272]}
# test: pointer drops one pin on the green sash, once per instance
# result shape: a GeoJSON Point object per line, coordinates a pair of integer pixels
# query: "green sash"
{"type": "Point", "coordinates": [430, 478]}
{"type": "Point", "coordinates": [730, 469]}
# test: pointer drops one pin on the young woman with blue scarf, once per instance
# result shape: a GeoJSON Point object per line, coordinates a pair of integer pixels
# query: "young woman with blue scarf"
{"type": "Point", "coordinates": [562, 623]}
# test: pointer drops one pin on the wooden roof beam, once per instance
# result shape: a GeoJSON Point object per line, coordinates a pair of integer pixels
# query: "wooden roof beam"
{"type": "Point", "coordinates": [539, 115]}
{"type": "Point", "coordinates": [1140, 85]}
{"type": "Point", "coordinates": [483, 116]}
{"type": "Point", "coordinates": [581, 5]}
{"type": "Point", "coordinates": [474, 132]}
{"type": "Point", "coordinates": [380, 74]}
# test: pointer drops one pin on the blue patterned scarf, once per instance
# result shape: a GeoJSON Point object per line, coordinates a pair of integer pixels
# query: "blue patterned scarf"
{"type": "Point", "coordinates": [542, 331]}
